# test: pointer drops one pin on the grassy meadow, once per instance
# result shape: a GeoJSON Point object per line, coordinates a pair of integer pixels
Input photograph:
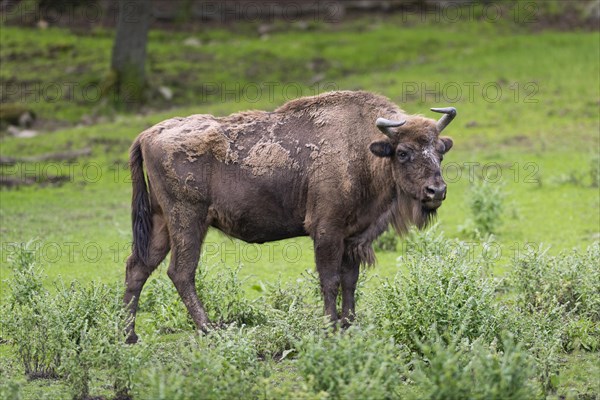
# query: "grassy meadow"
{"type": "Point", "coordinates": [526, 141]}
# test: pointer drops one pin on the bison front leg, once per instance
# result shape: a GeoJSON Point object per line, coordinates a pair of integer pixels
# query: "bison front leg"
{"type": "Point", "coordinates": [328, 257]}
{"type": "Point", "coordinates": [350, 272]}
{"type": "Point", "coordinates": [185, 254]}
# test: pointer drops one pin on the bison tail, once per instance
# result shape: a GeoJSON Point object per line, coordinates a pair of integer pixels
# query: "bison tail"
{"type": "Point", "coordinates": [141, 216]}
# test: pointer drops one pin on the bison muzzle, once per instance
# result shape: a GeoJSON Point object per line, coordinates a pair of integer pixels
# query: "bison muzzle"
{"type": "Point", "coordinates": [339, 167]}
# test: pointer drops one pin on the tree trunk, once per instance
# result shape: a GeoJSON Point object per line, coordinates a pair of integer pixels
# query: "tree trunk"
{"type": "Point", "coordinates": [129, 51]}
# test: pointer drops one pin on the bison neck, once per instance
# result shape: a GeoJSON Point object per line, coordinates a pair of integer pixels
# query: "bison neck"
{"type": "Point", "coordinates": [383, 205]}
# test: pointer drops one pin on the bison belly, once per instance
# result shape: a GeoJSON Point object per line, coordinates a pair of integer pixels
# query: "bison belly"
{"type": "Point", "coordinates": [258, 210]}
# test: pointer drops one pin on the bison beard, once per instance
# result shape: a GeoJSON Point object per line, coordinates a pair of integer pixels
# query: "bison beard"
{"type": "Point", "coordinates": [340, 167]}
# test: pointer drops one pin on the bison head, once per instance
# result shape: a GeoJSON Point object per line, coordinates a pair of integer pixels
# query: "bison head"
{"type": "Point", "coordinates": [416, 149]}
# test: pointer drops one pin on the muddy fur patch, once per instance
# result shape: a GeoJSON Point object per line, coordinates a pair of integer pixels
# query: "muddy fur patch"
{"type": "Point", "coordinates": [193, 136]}
{"type": "Point", "coordinates": [266, 157]}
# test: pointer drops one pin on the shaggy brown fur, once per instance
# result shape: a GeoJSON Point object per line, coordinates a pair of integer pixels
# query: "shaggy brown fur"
{"type": "Point", "coordinates": [316, 166]}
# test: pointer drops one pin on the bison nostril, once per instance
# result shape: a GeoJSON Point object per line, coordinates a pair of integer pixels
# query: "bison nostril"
{"type": "Point", "coordinates": [430, 191]}
{"type": "Point", "coordinates": [435, 192]}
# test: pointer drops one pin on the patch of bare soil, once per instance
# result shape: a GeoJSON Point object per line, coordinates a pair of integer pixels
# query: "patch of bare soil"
{"type": "Point", "coordinates": [574, 16]}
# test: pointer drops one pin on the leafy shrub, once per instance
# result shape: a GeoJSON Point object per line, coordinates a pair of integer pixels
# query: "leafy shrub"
{"type": "Point", "coordinates": [388, 241]}
{"type": "Point", "coordinates": [351, 365]}
{"type": "Point", "coordinates": [120, 362]}
{"type": "Point", "coordinates": [279, 319]}
{"type": "Point", "coordinates": [220, 291]}
{"type": "Point", "coordinates": [222, 365]}
{"type": "Point", "coordinates": [292, 311]}
{"type": "Point", "coordinates": [11, 389]}
{"type": "Point", "coordinates": [446, 292]}
{"type": "Point", "coordinates": [442, 312]}
{"type": "Point", "coordinates": [430, 241]}
{"type": "Point", "coordinates": [570, 282]}
{"type": "Point", "coordinates": [224, 298]}
{"type": "Point", "coordinates": [69, 333]}
{"type": "Point", "coordinates": [94, 323]}
{"type": "Point", "coordinates": [556, 306]}
{"type": "Point", "coordinates": [26, 284]}
{"type": "Point", "coordinates": [31, 319]}
{"type": "Point", "coordinates": [542, 334]}
{"type": "Point", "coordinates": [167, 313]}
{"type": "Point", "coordinates": [455, 368]}
{"type": "Point", "coordinates": [486, 201]}
{"type": "Point", "coordinates": [283, 297]}
{"type": "Point", "coordinates": [78, 361]}
{"type": "Point", "coordinates": [581, 333]}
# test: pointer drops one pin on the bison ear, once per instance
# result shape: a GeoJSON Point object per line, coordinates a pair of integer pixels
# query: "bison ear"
{"type": "Point", "coordinates": [448, 143]}
{"type": "Point", "coordinates": [382, 149]}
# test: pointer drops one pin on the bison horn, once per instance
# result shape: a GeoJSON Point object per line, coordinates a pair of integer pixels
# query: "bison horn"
{"type": "Point", "coordinates": [450, 113]}
{"type": "Point", "coordinates": [384, 126]}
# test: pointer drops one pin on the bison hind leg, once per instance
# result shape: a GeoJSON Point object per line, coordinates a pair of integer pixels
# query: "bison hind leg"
{"type": "Point", "coordinates": [138, 272]}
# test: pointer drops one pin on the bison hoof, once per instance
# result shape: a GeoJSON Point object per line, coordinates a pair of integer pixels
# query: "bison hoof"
{"type": "Point", "coordinates": [132, 338]}
{"type": "Point", "coordinates": [207, 328]}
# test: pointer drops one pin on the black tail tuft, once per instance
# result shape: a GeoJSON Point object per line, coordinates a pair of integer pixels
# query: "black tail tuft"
{"type": "Point", "coordinates": [141, 216]}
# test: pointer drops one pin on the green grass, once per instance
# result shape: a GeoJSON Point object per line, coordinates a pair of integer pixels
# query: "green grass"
{"type": "Point", "coordinates": [544, 148]}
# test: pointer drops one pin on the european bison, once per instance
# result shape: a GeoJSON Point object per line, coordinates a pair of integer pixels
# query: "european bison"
{"type": "Point", "coordinates": [339, 167]}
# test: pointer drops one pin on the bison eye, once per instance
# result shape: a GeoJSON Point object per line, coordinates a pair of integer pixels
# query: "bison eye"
{"type": "Point", "coordinates": [403, 155]}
